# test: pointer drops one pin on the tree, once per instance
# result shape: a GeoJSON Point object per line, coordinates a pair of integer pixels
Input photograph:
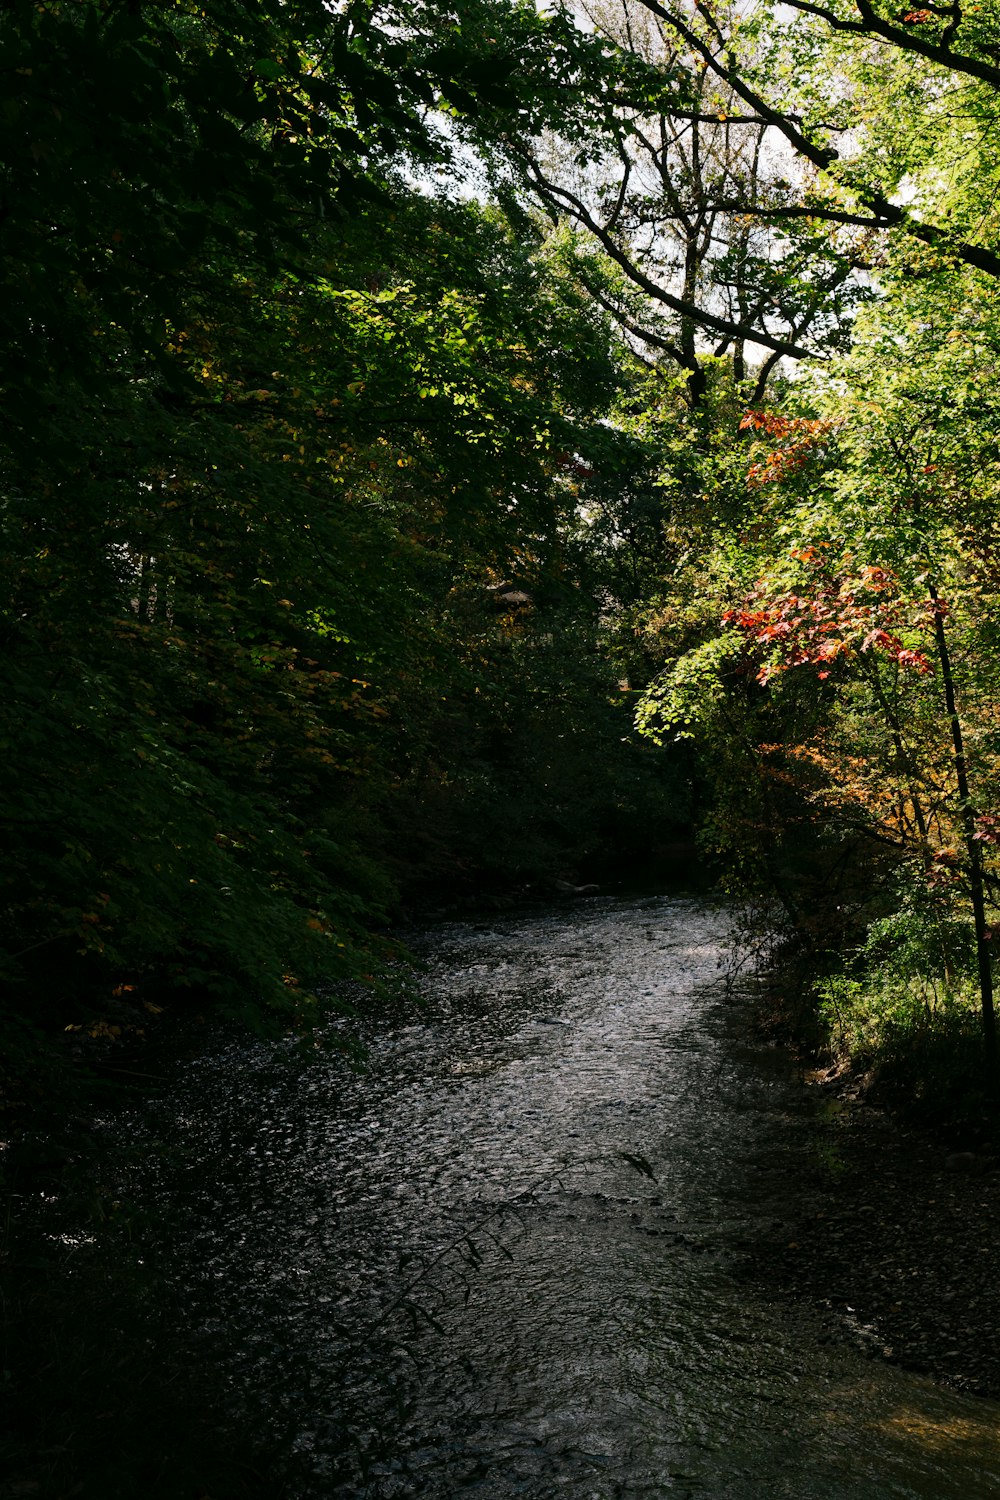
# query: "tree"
{"type": "Point", "coordinates": [288, 517]}
{"type": "Point", "coordinates": [871, 587]}
{"type": "Point", "coordinates": [747, 175]}
{"type": "Point", "coordinates": [661, 184]}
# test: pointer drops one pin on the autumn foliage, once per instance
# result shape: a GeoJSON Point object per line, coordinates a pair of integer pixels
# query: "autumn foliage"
{"type": "Point", "coordinates": [797, 439]}
{"type": "Point", "coordinates": [835, 616]}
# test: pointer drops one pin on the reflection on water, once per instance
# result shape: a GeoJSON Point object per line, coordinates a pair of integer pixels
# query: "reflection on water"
{"type": "Point", "coordinates": [500, 1260]}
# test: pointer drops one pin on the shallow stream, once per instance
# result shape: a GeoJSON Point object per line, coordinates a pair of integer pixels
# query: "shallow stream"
{"type": "Point", "coordinates": [504, 1258]}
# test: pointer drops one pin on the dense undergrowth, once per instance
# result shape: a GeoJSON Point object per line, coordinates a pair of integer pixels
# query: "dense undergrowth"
{"type": "Point", "coordinates": [889, 1012]}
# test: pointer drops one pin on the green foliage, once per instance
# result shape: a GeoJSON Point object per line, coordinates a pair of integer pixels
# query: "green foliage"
{"type": "Point", "coordinates": [349, 527]}
{"type": "Point", "coordinates": [905, 1009]}
{"type": "Point", "coordinates": [345, 536]}
{"type": "Point", "coordinates": [689, 693]}
{"type": "Point", "coordinates": [255, 515]}
{"type": "Point", "coordinates": [857, 667]}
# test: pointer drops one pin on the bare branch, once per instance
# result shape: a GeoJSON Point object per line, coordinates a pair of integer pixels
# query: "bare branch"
{"type": "Point", "coordinates": [565, 199]}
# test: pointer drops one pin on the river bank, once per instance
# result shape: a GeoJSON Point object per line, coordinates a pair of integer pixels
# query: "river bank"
{"type": "Point", "coordinates": [896, 1241]}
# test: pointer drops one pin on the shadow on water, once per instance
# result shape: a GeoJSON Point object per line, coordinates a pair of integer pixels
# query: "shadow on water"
{"type": "Point", "coordinates": [502, 1259]}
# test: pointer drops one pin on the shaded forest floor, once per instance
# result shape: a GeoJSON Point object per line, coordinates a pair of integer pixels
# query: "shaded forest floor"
{"type": "Point", "coordinates": [896, 1238]}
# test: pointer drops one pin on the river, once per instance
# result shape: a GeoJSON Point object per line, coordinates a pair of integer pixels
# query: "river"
{"type": "Point", "coordinates": [504, 1256]}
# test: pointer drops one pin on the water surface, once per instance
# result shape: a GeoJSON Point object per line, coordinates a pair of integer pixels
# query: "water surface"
{"type": "Point", "coordinates": [503, 1259]}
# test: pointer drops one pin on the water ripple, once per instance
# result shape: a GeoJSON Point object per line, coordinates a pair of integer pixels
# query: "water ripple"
{"type": "Point", "coordinates": [498, 1260]}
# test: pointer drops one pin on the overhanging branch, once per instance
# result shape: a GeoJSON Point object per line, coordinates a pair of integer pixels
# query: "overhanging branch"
{"type": "Point", "coordinates": [872, 23]}
{"type": "Point", "coordinates": [824, 158]}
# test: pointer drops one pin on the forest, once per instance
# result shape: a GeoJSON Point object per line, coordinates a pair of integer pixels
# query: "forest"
{"type": "Point", "coordinates": [452, 448]}
{"type": "Point", "coordinates": [460, 452]}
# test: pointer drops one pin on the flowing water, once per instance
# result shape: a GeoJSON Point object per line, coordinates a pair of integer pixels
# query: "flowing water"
{"type": "Point", "coordinates": [503, 1258]}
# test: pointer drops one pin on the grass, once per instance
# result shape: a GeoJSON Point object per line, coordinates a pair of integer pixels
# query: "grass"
{"type": "Point", "coordinates": [919, 1044]}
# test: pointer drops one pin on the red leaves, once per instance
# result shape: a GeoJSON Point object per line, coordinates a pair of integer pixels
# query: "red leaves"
{"type": "Point", "coordinates": [987, 829]}
{"type": "Point", "coordinates": [767, 421]}
{"type": "Point", "coordinates": [805, 433]}
{"type": "Point", "coordinates": [838, 618]}
{"type": "Point", "coordinates": [877, 580]}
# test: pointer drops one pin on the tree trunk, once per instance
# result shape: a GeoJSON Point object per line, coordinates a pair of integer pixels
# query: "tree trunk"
{"type": "Point", "coordinates": [974, 852]}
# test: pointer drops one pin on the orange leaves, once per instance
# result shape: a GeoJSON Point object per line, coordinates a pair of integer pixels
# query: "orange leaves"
{"type": "Point", "coordinates": [916, 660]}
{"type": "Point", "coordinates": [799, 437]}
{"type": "Point", "coordinates": [877, 580]}
{"type": "Point", "coordinates": [105, 1030]}
{"type": "Point", "coordinates": [808, 554]}
{"type": "Point", "coordinates": [769, 422]}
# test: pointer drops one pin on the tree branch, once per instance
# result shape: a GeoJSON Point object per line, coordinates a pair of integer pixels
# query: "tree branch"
{"type": "Point", "coordinates": [825, 157]}
{"type": "Point", "coordinates": [908, 41]}
{"type": "Point", "coordinates": [565, 199]}
{"type": "Point", "coordinates": [646, 335]}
